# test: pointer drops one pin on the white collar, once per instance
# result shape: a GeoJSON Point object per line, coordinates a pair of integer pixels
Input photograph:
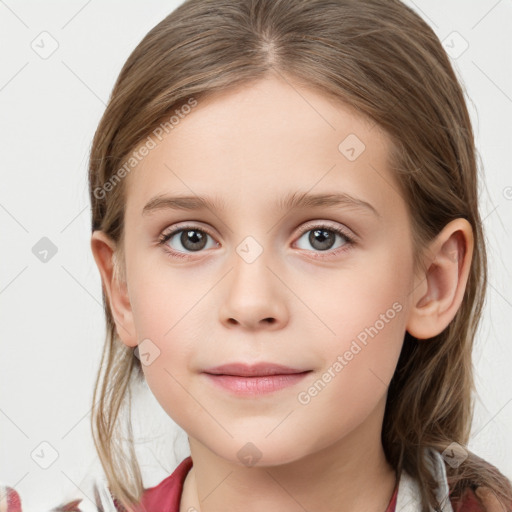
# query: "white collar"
{"type": "Point", "coordinates": [409, 498]}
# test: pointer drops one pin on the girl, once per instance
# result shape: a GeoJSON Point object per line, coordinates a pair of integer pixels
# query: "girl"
{"type": "Point", "coordinates": [284, 216]}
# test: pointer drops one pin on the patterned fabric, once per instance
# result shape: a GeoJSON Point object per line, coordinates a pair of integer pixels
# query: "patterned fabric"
{"type": "Point", "coordinates": [9, 500]}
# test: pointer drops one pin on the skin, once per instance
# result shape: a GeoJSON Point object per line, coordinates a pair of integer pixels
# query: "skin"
{"type": "Point", "coordinates": [251, 147]}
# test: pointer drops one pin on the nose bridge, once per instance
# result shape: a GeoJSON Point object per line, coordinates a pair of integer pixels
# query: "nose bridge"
{"type": "Point", "coordinates": [251, 277]}
{"type": "Point", "coordinates": [253, 295]}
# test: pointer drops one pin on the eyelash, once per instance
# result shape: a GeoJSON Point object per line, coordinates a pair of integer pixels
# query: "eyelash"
{"type": "Point", "coordinates": [165, 237]}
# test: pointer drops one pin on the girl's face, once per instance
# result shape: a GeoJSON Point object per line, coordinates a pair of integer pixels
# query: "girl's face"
{"type": "Point", "coordinates": [252, 279]}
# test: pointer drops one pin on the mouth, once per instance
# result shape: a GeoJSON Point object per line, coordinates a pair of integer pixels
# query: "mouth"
{"type": "Point", "coordinates": [257, 379]}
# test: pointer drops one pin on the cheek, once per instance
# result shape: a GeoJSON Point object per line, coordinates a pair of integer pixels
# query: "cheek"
{"type": "Point", "coordinates": [363, 302]}
{"type": "Point", "coordinates": [163, 297]}
{"type": "Point", "coordinates": [167, 309]}
{"type": "Point", "coordinates": [365, 310]}
{"type": "Point", "coordinates": [168, 373]}
{"type": "Point", "coordinates": [359, 364]}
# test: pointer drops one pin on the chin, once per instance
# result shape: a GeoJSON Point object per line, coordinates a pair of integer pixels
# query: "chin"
{"type": "Point", "coordinates": [259, 452]}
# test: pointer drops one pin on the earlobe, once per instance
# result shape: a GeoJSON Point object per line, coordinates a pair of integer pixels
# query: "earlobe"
{"type": "Point", "coordinates": [116, 291]}
{"type": "Point", "coordinates": [439, 291]}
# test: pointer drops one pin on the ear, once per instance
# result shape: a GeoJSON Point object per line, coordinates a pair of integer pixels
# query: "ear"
{"type": "Point", "coordinates": [439, 290]}
{"type": "Point", "coordinates": [116, 290]}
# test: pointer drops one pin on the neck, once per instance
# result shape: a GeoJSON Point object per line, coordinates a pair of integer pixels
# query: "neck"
{"type": "Point", "coordinates": [352, 475]}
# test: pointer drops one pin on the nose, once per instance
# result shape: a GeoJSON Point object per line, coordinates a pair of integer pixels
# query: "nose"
{"type": "Point", "coordinates": [254, 297]}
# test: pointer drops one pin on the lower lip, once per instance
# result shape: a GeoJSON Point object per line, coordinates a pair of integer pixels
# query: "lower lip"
{"type": "Point", "coordinates": [256, 385]}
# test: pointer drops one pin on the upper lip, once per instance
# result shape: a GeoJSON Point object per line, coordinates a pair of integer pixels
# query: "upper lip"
{"type": "Point", "coordinates": [252, 370]}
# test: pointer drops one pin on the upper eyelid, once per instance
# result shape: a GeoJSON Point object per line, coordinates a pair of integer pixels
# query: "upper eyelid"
{"type": "Point", "coordinates": [312, 224]}
{"type": "Point", "coordinates": [187, 225]}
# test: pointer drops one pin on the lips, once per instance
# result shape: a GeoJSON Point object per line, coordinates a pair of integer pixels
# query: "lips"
{"type": "Point", "coordinates": [244, 380]}
{"type": "Point", "coordinates": [255, 370]}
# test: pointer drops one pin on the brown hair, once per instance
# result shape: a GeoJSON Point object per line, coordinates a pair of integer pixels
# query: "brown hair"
{"type": "Point", "coordinates": [381, 58]}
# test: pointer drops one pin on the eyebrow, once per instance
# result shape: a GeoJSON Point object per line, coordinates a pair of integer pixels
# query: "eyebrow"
{"type": "Point", "coordinates": [292, 200]}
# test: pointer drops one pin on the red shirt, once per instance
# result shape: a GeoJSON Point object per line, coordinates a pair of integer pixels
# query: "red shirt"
{"type": "Point", "coordinates": [165, 497]}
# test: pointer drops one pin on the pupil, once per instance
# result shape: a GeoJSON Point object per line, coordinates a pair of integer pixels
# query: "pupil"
{"type": "Point", "coordinates": [193, 239]}
{"type": "Point", "coordinates": [322, 239]}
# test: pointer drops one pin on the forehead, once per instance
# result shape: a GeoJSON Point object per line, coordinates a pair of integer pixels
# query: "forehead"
{"type": "Point", "coordinates": [264, 140]}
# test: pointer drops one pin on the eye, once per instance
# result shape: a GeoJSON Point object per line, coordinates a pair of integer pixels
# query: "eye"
{"type": "Point", "coordinates": [191, 239]}
{"type": "Point", "coordinates": [323, 237]}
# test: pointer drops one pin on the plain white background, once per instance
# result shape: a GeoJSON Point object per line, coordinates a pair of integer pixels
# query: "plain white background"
{"type": "Point", "coordinates": [51, 312]}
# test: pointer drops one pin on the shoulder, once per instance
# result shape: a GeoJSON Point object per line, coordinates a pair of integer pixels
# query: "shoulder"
{"type": "Point", "coordinates": [482, 499]}
{"type": "Point", "coordinates": [490, 501]}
